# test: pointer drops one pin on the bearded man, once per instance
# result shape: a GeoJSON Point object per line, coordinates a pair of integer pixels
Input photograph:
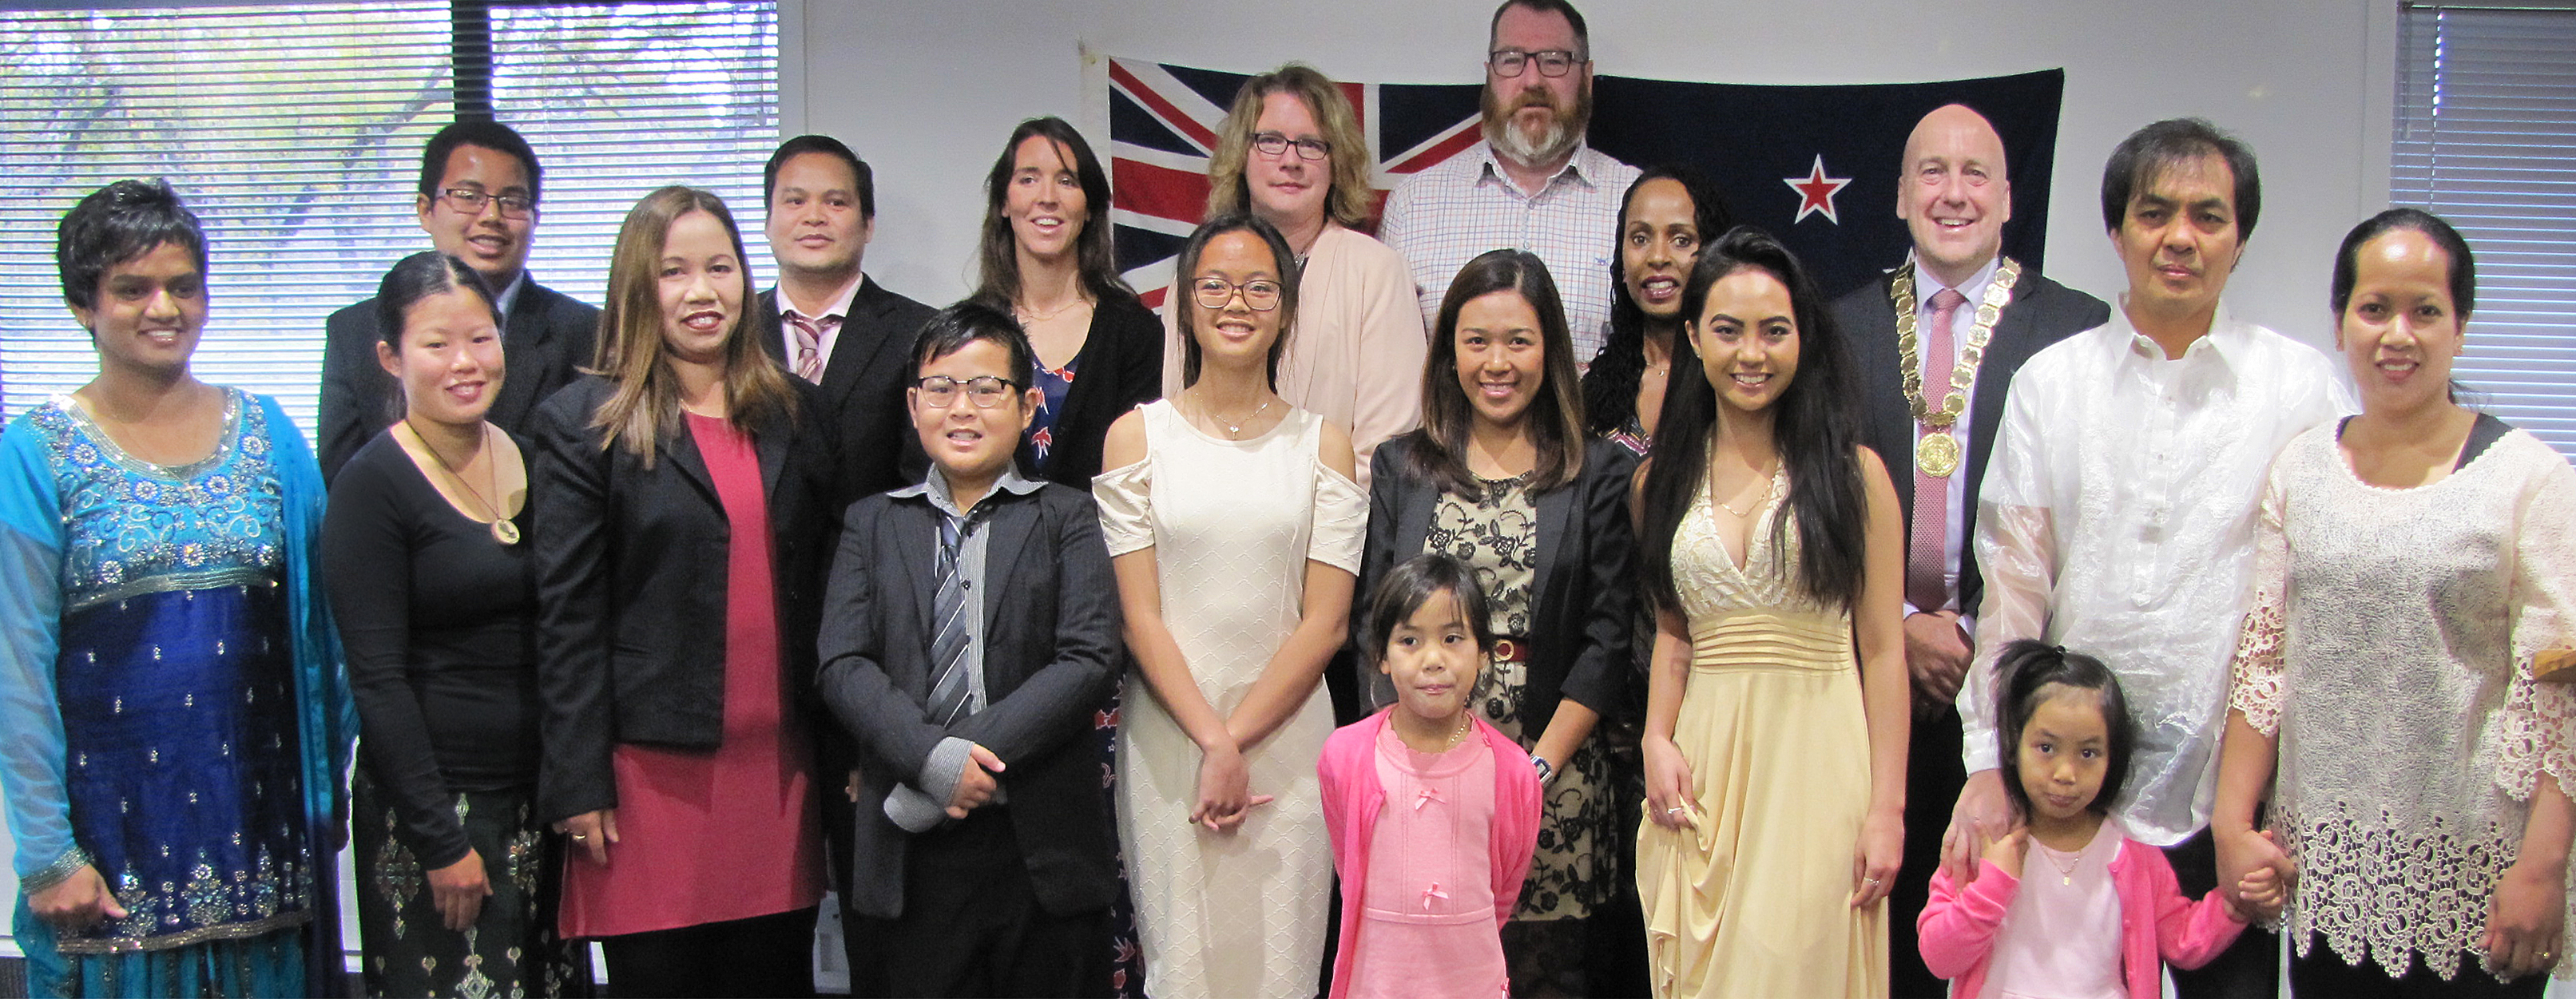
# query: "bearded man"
{"type": "Point", "coordinates": [1532, 184]}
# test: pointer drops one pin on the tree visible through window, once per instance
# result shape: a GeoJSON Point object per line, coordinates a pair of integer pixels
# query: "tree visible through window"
{"type": "Point", "coordinates": [294, 130]}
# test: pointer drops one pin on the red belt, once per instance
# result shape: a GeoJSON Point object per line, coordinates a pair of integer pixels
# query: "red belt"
{"type": "Point", "coordinates": [1511, 650]}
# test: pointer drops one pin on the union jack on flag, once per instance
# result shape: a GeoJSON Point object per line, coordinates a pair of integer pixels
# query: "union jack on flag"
{"type": "Point", "coordinates": [1162, 126]}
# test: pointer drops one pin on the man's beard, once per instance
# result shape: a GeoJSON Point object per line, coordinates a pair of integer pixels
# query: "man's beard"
{"type": "Point", "coordinates": [1564, 128]}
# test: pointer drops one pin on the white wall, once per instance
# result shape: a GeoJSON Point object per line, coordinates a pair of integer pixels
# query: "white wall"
{"type": "Point", "coordinates": [927, 93]}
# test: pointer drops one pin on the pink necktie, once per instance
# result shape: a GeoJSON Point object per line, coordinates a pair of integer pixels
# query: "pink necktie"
{"type": "Point", "coordinates": [808, 337]}
{"type": "Point", "coordinates": [1925, 564]}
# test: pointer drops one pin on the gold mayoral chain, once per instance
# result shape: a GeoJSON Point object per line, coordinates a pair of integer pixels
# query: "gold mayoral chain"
{"type": "Point", "coordinates": [1936, 451]}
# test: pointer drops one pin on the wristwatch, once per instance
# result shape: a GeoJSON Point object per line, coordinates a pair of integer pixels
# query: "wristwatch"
{"type": "Point", "coordinates": [1545, 773]}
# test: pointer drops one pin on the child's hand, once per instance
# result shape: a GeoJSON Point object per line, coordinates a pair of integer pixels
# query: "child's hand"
{"type": "Point", "coordinates": [2005, 852]}
{"type": "Point", "coordinates": [2242, 855]}
{"type": "Point", "coordinates": [2260, 894]}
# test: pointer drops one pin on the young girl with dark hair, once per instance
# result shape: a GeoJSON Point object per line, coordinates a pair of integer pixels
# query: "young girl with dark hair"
{"type": "Point", "coordinates": [2112, 918]}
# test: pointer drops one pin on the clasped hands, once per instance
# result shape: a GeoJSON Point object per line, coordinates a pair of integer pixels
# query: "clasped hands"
{"type": "Point", "coordinates": [1225, 795]}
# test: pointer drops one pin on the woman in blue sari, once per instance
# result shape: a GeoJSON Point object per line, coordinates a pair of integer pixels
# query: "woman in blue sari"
{"type": "Point", "coordinates": [175, 709]}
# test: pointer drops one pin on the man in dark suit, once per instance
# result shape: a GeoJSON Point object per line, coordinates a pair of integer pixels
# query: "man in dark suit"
{"type": "Point", "coordinates": [826, 321]}
{"type": "Point", "coordinates": [1935, 434]}
{"type": "Point", "coordinates": [971, 633]}
{"type": "Point", "coordinates": [479, 185]}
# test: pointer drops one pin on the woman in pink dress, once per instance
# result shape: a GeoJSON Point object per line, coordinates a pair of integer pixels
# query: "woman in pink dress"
{"type": "Point", "coordinates": [681, 499]}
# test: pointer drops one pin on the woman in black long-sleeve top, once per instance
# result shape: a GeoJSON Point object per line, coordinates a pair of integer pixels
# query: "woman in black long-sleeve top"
{"type": "Point", "coordinates": [1500, 477]}
{"type": "Point", "coordinates": [436, 603]}
{"type": "Point", "coordinates": [688, 501]}
{"type": "Point", "coordinates": [1045, 257]}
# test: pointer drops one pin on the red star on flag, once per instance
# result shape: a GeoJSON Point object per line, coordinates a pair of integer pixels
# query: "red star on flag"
{"type": "Point", "coordinates": [1816, 192]}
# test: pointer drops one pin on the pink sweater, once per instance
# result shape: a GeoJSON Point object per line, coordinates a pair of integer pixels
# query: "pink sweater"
{"type": "Point", "coordinates": [1957, 928]}
{"type": "Point", "coordinates": [1353, 796]}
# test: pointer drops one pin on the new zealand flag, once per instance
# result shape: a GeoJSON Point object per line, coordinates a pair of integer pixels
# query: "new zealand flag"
{"type": "Point", "coordinates": [1816, 165]}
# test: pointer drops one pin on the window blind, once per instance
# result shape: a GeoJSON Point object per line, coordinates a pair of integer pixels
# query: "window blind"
{"type": "Point", "coordinates": [2486, 138]}
{"type": "Point", "coordinates": [294, 130]}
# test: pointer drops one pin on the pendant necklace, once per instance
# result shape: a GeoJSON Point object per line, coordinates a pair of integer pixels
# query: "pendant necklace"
{"type": "Point", "coordinates": [503, 530]}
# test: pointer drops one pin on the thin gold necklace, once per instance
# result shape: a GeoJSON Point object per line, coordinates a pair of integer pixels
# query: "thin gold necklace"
{"type": "Point", "coordinates": [1029, 315]}
{"type": "Point", "coordinates": [503, 530]}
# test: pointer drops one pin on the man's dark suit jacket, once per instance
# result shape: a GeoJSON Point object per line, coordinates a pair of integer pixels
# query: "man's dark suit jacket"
{"type": "Point", "coordinates": [863, 383]}
{"type": "Point", "coordinates": [2041, 312]}
{"type": "Point", "coordinates": [545, 341]}
{"type": "Point", "coordinates": [1051, 651]}
{"type": "Point", "coordinates": [631, 586]}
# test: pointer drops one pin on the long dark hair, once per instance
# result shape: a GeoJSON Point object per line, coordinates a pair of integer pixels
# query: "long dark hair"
{"type": "Point", "coordinates": [1555, 416]}
{"type": "Point", "coordinates": [1813, 431]}
{"type": "Point", "coordinates": [644, 408]}
{"type": "Point", "coordinates": [1000, 281]}
{"type": "Point", "coordinates": [1610, 387]}
{"type": "Point", "coordinates": [2026, 668]}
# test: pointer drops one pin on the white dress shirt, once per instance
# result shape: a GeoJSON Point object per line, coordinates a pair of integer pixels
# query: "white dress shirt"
{"type": "Point", "coordinates": [2118, 520]}
{"type": "Point", "coordinates": [1465, 205]}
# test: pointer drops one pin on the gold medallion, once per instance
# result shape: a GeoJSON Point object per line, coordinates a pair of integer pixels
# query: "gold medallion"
{"type": "Point", "coordinates": [505, 532]}
{"type": "Point", "coordinates": [1937, 453]}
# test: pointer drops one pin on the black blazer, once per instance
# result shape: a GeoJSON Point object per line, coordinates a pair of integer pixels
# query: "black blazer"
{"type": "Point", "coordinates": [863, 383]}
{"type": "Point", "coordinates": [1051, 649]}
{"type": "Point", "coordinates": [2041, 312]}
{"type": "Point", "coordinates": [546, 339]}
{"type": "Point", "coordinates": [631, 587]}
{"type": "Point", "coordinates": [1119, 368]}
{"type": "Point", "coordinates": [1582, 599]}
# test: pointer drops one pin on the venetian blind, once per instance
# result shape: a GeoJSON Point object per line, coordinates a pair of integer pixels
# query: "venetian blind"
{"type": "Point", "coordinates": [2486, 138]}
{"type": "Point", "coordinates": [294, 130]}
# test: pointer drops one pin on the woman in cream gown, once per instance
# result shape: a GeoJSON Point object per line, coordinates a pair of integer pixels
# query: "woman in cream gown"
{"type": "Point", "coordinates": [1776, 714]}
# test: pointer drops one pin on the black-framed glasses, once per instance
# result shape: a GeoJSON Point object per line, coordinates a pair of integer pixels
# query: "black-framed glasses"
{"type": "Point", "coordinates": [1261, 294]}
{"type": "Point", "coordinates": [1507, 63]}
{"type": "Point", "coordinates": [986, 390]}
{"type": "Point", "coordinates": [1274, 145]}
{"type": "Point", "coordinates": [471, 201]}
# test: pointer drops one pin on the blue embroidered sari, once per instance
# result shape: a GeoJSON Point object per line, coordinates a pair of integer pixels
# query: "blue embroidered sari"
{"type": "Point", "coordinates": [177, 712]}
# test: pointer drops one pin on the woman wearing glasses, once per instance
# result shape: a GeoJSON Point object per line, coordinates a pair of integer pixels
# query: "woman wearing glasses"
{"type": "Point", "coordinates": [1046, 259]}
{"type": "Point", "coordinates": [1234, 530]}
{"type": "Point", "coordinates": [1291, 152]}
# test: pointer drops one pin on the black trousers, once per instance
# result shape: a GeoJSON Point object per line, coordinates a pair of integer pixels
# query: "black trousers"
{"type": "Point", "coordinates": [2321, 973]}
{"type": "Point", "coordinates": [760, 956]}
{"type": "Point", "coordinates": [2248, 969]}
{"type": "Point", "coordinates": [972, 925]}
{"type": "Point", "coordinates": [1933, 777]}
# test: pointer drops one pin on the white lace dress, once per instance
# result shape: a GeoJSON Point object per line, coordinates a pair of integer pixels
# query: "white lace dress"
{"type": "Point", "coordinates": [2390, 649]}
{"type": "Point", "coordinates": [1232, 525]}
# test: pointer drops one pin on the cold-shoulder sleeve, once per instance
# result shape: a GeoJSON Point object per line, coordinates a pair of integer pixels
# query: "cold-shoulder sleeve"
{"type": "Point", "coordinates": [1341, 521]}
{"type": "Point", "coordinates": [31, 598]}
{"type": "Point", "coordinates": [1125, 497]}
{"type": "Point", "coordinates": [2537, 732]}
{"type": "Point", "coordinates": [2256, 685]}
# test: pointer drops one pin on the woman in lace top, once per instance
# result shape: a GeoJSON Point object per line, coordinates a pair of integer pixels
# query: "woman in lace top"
{"type": "Point", "coordinates": [2411, 563]}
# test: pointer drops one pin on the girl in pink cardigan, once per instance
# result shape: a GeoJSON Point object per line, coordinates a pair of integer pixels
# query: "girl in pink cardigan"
{"type": "Point", "coordinates": [1433, 813]}
{"type": "Point", "coordinates": [2067, 905]}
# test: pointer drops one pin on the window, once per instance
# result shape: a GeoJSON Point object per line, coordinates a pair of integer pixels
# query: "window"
{"type": "Point", "coordinates": [2486, 138]}
{"type": "Point", "coordinates": [294, 130]}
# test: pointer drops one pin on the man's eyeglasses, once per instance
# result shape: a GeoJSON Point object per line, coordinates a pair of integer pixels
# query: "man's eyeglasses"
{"type": "Point", "coordinates": [1508, 63]}
{"type": "Point", "coordinates": [1262, 294]}
{"type": "Point", "coordinates": [1274, 145]}
{"type": "Point", "coordinates": [470, 201]}
{"type": "Point", "coordinates": [986, 390]}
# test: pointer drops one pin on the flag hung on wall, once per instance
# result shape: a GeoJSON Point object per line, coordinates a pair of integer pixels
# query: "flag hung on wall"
{"type": "Point", "coordinates": [1815, 165]}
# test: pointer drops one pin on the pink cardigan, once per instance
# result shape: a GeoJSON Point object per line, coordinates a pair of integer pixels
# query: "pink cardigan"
{"type": "Point", "coordinates": [1352, 797]}
{"type": "Point", "coordinates": [1957, 928]}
